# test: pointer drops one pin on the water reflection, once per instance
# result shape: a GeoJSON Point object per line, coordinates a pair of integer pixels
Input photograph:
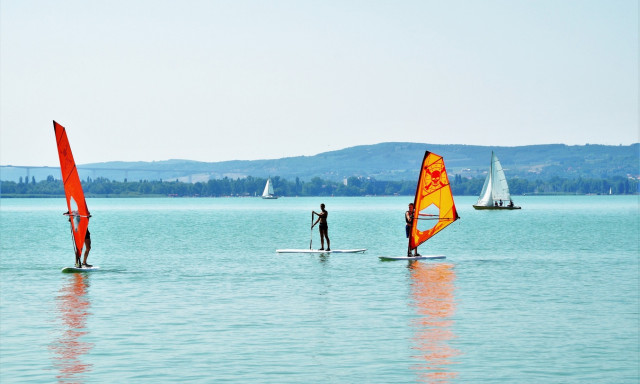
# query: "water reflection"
{"type": "Point", "coordinates": [73, 310]}
{"type": "Point", "coordinates": [432, 289]}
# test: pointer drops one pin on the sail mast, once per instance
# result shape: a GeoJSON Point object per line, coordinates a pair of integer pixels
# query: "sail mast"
{"type": "Point", "coordinates": [485, 198]}
{"type": "Point", "coordinates": [500, 190]}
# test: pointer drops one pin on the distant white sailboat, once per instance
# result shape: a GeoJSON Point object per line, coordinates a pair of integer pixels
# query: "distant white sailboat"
{"type": "Point", "coordinates": [495, 191]}
{"type": "Point", "coordinates": [268, 190]}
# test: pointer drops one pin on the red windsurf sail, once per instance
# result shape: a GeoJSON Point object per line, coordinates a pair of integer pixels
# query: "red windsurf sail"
{"type": "Point", "coordinates": [433, 202]}
{"type": "Point", "coordinates": [76, 205]}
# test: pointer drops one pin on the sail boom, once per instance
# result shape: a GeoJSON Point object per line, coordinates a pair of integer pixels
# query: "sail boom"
{"type": "Point", "coordinates": [76, 215]}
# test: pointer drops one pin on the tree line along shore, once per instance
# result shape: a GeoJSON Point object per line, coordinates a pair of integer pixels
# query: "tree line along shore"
{"type": "Point", "coordinates": [353, 186]}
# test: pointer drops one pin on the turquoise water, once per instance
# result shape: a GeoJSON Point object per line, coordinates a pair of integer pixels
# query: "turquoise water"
{"type": "Point", "coordinates": [191, 290]}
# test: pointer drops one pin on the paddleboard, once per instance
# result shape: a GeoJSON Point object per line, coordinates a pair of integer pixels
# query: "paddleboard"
{"type": "Point", "coordinates": [425, 257]}
{"type": "Point", "coordinates": [76, 269]}
{"type": "Point", "coordinates": [360, 250]}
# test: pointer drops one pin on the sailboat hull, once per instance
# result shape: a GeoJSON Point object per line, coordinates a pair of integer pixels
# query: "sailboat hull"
{"type": "Point", "coordinates": [270, 197]}
{"type": "Point", "coordinates": [494, 208]}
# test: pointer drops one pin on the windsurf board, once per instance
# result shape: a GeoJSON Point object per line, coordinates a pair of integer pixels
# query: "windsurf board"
{"type": "Point", "coordinates": [425, 257]}
{"type": "Point", "coordinates": [76, 269]}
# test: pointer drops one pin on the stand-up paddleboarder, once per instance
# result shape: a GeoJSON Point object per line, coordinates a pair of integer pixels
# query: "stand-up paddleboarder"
{"type": "Point", "coordinates": [324, 228]}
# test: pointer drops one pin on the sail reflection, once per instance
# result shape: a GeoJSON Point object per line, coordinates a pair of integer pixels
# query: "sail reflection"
{"type": "Point", "coordinates": [432, 289]}
{"type": "Point", "coordinates": [73, 310]}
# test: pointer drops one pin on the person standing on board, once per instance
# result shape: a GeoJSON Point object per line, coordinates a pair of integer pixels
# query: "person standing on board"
{"type": "Point", "coordinates": [324, 228]}
{"type": "Point", "coordinates": [87, 248]}
{"type": "Point", "coordinates": [408, 218]}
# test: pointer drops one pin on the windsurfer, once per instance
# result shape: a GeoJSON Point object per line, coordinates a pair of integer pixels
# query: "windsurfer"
{"type": "Point", "coordinates": [87, 248]}
{"type": "Point", "coordinates": [324, 228]}
{"type": "Point", "coordinates": [408, 217]}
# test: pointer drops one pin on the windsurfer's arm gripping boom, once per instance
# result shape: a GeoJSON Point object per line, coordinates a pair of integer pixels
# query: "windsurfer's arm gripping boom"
{"type": "Point", "coordinates": [75, 214]}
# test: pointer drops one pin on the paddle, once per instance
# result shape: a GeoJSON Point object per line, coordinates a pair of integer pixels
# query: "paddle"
{"type": "Point", "coordinates": [311, 239]}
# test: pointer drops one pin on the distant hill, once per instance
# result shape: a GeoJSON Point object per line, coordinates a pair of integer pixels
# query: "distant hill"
{"type": "Point", "coordinates": [384, 161]}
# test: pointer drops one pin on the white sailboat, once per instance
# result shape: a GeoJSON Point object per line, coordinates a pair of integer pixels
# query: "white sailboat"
{"type": "Point", "coordinates": [268, 191]}
{"type": "Point", "coordinates": [495, 191]}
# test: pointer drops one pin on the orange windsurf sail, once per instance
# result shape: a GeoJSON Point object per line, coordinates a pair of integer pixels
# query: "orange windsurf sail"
{"type": "Point", "coordinates": [434, 206]}
{"type": "Point", "coordinates": [76, 205]}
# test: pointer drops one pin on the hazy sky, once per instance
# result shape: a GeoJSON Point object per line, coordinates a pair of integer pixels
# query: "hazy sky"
{"type": "Point", "coordinates": [223, 80]}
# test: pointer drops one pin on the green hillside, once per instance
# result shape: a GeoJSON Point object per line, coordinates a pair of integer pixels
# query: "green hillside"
{"type": "Point", "coordinates": [385, 161]}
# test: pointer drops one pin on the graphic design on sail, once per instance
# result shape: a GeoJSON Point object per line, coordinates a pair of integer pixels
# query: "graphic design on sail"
{"type": "Point", "coordinates": [77, 210]}
{"type": "Point", "coordinates": [434, 205]}
{"type": "Point", "coordinates": [495, 191]}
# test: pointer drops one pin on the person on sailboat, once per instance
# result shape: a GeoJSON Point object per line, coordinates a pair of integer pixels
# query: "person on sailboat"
{"type": "Point", "coordinates": [408, 218]}
{"type": "Point", "coordinates": [324, 227]}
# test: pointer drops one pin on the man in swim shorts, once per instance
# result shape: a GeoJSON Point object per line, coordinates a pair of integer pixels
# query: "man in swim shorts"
{"type": "Point", "coordinates": [324, 228]}
{"type": "Point", "coordinates": [408, 218]}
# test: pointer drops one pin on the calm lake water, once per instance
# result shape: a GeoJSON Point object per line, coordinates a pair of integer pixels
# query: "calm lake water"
{"type": "Point", "coordinates": [192, 290]}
